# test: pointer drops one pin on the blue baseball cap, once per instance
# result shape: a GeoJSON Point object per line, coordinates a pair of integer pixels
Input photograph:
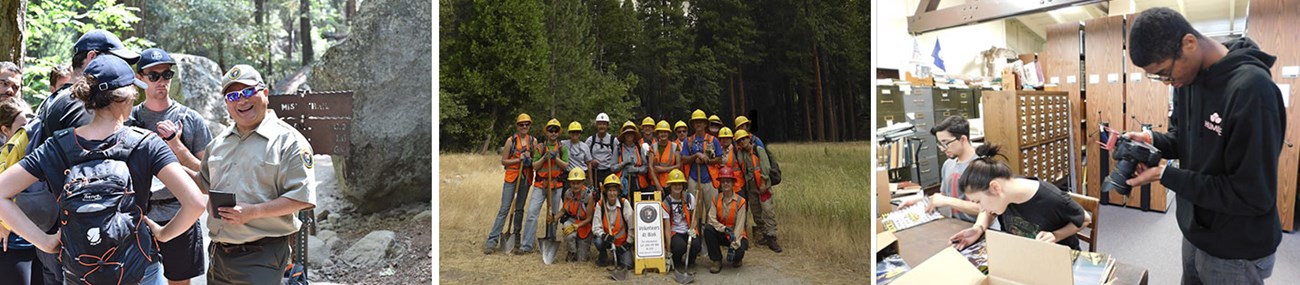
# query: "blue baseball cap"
{"type": "Point", "coordinates": [152, 57]}
{"type": "Point", "coordinates": [111, 73]}
{"type": "Point", "coordinates": [104, 41]}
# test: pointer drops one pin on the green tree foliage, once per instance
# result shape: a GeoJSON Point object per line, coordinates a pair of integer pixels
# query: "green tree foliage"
{"type": "Point", "coordinates": [54, 25]}
{"type": "Point", "coordinates": [494, 63]}
{"type": "Point", "coordinates": [579, 89]}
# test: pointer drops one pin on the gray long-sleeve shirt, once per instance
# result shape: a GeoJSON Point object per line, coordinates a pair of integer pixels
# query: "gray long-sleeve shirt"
{"type": "Point", "coordinates": [579, 154]}
{"type": "Point", "coordinates": [602, 150]}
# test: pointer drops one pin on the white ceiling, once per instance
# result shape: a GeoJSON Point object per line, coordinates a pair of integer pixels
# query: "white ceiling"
{"type": "Point", "coordinates": [1210, 17]}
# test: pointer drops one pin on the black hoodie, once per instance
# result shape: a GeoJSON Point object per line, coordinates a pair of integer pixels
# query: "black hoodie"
{"type": "Point", "coordinates": [1226, 129]}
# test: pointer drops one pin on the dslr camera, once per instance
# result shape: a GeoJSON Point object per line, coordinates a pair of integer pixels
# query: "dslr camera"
{"type": "Point", "coordinates": [1128, 154]}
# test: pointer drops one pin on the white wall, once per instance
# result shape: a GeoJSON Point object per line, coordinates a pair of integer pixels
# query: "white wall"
{"type": "Point", "coordinates": [960, 46]}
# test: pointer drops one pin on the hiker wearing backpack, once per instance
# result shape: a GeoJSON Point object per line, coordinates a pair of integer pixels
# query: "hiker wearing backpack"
{"type": "Point", "coordinates": [701, 155]}
{"type": "Point", "coordinates": [753, 164]}
{"type": "Point", "coordinates": [187, 135]}
{"type": "Point", "coordinates": [516, 157]}
{"type": "Point", "coordinates": [715, 125]}
{"type": "Point", "coordinates": [578, 150]}
{"type": "Point", "coordinates": [18, 262]}
{"type": "Point", "coordinates": [633, 162]}
{"type": "Point", "coordinates": [102, 171]}
{"type": "Point", "coordinates": [579, 207]}
{"type": "Point", "coordinates": [602, 147]}
{"type": "Point", "coordinates": [611, 225]}
{"type": "Point", "coordinates": [726, 224]}
{"type": "Point", "coordinates": [550, 160]}
{"type": "Point", "coordinates": [679, 209]}
{"type": "Point", "coordinates": [267, 165]}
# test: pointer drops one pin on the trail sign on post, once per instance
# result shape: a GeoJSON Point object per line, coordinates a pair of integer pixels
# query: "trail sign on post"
{"type": "Point", "coordinates": [325, 118]}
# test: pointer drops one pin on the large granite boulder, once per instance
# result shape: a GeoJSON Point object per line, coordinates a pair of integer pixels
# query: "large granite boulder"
{"type": "Point", "coordinates": [197, 85]}
{"type": "Point", "coordinates": [389, 65]}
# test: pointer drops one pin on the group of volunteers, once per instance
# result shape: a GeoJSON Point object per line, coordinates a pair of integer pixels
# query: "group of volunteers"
{"type": "Point", "coordinates": [713, 182]}
{"type": "Point", "coordinates": [97, 189]}
{"type": "Point", "coordinates": [1223, 169]}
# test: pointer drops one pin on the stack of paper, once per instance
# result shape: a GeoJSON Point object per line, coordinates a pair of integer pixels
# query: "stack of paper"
{"type": "Point", "coordinates": [1092, 268]}
{"type": "Point", "coordinates": [911, 216]}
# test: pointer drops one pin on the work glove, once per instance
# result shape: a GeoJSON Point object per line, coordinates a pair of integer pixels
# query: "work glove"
{"type": "Point", "coordinates": [735, 244]}
{"type": "Point", "coordinates": [730, 234]}
{"type": "Point", "coordinates": [691, 232]}
{"type": "Point", "coordinates": [570, 229]}
{"type": "Point", "coordinates": [527, 162]}
{"type": "Point", "coordinates": [609, 239]}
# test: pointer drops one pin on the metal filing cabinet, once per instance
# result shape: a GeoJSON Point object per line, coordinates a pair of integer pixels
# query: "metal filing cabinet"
{"type": "Point", "coordinates": [920, 103]}
{"type": "Point", "coordinates": [889, 105]}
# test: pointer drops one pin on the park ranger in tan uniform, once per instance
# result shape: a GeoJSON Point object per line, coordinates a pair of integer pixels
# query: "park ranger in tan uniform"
{"type": "Point", "coordinates": [268, 166]}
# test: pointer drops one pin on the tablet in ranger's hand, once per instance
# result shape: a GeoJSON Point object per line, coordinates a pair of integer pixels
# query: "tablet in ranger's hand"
{"type": "Point", "coordinates": [219, 200]}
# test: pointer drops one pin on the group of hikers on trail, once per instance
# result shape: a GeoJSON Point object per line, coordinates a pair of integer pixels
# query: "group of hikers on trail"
{"type": "Point", "coordinates": [714, 183]}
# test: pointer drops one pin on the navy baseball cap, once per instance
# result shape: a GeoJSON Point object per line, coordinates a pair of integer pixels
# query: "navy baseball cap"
{"type": "Point", "coordinates": [104, 41]}
{"type": "Point", "coordinates": [152, 57]}
{"type": "Point", "coordinates": [111, 73]}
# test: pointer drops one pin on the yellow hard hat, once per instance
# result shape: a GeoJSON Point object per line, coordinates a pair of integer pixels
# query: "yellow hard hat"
{"type": "Point", "coordinates": [611, 179]}
{"type": "Point", "coordinates": [698, 115]}
{"type": "Point", "coordinates": [553, 123]}
{"type": "Point", "coordinates": [676, 176]}
{"type": "Point", "coordinates": [679, 124]}
{"type": "Point", "coordinates": [725, 133]}
{"type": "Point", "coordinates": [576, 174]}
{"type": "Point", "coordinates": [523, 117]}
{"type": "Point", "coordinates": [575, 127]}
{"type": "Point", "coordinates": [741, 120]}
{"type": "Point", "coordinates": [662, 127]}
{"type": "Point", "coordinates": [648, 122]}
{"type": "Point", "coordinates": [628, 127]}
{"type": "Point", "coordinates": [741, 134]}
{"type": "Point", "coordinates": [714, 119]}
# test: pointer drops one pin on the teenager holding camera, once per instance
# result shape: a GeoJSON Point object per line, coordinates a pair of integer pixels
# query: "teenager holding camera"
{"type": "Point", "coordinates": [1226, 130]}
{"type": "Point", "coordinates": [1025, 207]}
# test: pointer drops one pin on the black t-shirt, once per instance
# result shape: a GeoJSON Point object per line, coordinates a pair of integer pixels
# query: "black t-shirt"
{"type": "Point", "coordinates": [63, 111]}
{"type": "Point", "coordinates": [145, 161]}
{"type": "Point", "coordinates": [1050, 209]}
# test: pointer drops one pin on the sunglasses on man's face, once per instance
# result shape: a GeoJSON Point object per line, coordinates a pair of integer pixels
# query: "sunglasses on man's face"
{"type": "Point", "coordinates": [153, 76]}
{"type": "Point", "coordinates": [242, 94]}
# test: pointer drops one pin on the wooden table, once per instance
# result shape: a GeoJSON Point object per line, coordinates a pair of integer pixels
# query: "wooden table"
{"type": "Point", "coordinates": [921, 242]}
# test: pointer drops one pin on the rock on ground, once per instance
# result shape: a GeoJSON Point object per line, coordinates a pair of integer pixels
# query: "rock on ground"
{"type": "Point", "coordinates": [370, 250]}
{"type": "Point", "coordinates": [388, 65]}
{"type": "Point", "coordinates": [318, 253]}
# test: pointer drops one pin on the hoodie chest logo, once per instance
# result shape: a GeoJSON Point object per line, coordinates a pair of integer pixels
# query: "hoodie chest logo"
{"type": "Point", "coordinates": [1214, 124]}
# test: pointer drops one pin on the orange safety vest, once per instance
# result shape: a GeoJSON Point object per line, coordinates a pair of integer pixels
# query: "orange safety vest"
{"type": "Point", "coordinates": [640, 179]}
{"type": "Point", "coordinates": [668, 156]}
{"type": "Point", "coordinates": [575, 205]}
{"type": "Point", "coordinates": [619, 231]}
{"type": "Point", "coordinates": [549, 171]}
{"type": "Point", "coordinates": [713, 168]}
{"type": "Point", "coordinates": [735, 165]}
{"type": "Point", "coordinates": [756, 169]}
{"type": "Point", "coordinates": [686, 211]}
{"type": "Point", "coordinates": [729, 220]}
{"type": "Point", "coordinates": [520, 148]}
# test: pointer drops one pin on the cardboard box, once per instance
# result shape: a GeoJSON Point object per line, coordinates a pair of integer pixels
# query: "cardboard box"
{"type": "Point", "coordinates": [886, 243]}
{"type": "Point", "coordinates": [883, 194]}
{"type": "Point", "coordinates": [1012, 260]}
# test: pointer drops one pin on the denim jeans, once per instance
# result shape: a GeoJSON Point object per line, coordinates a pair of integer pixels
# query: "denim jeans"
{"type": "Point", "coordinates": [536, 199]}
{"type": "Point", "coordinates": [580, 248]}
{"type": "Point", "coordinates": [1199, 267]}
{"type": "Point", "coordinates": [508, 193]}
{"type": "Point", "coordinates": [623, 254]}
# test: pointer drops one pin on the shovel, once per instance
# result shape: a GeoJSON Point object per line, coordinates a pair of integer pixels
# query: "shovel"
{"type": "Point", "coordinates": [548, 243]}
{"type": "Point", "coordinates": [619, 273]}
{"type": "Point", "coordinates": [682, 276]}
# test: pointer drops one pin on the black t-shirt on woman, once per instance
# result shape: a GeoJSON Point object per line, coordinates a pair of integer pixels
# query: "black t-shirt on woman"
{"type": "Point", "coordinates": [1050, 209]}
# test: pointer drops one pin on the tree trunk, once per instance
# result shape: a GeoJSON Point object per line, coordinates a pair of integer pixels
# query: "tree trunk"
{"type": "Point", "coordinates": [817, 71]}
{"type": "Point", "coordinates": [808, 116]}
{"type": "Point", "coordinates": [12, 28]}
{"type": "Point", "coordinates": [731, 92]}
{"type": "Point", "coordinates": [743, 98]}
{"type": "Point", "coordinates": [259, 19]}
{"type": "Point", "coordinates": [305, 22]}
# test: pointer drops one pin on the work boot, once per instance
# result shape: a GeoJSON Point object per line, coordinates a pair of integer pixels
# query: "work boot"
{"type": "Point", "coordinates": [716, 267]}
{"type": "Point", "coordinates": [487, 249]}
{"type": "Point", "coordinates": [773, 245]}
{"type": "Point", "coordinates": [735, 264]}
{"type": "Point", "coordinates": [761, 240]}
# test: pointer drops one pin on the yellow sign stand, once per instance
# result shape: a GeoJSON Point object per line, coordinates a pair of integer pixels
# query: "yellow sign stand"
{"type": "Point", "coordinates": [649, 249]}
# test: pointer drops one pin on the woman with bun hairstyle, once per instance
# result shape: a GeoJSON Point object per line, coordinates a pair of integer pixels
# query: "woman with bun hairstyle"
{"type": "Point", "coordinates": [106, 145]}
{"type": "Point", "coordinates": [1024, 206]}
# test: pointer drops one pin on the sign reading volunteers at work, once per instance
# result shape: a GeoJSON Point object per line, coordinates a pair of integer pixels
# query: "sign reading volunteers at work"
{"type": "Point", "coordinates": [649, 231]}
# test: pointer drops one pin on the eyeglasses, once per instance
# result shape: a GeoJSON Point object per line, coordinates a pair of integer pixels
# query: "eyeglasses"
{"type": "Point", "coordinates": [553, 130]}
{"type": "Point", "coordinates": [944, 145]}
{"type": "Point", "coordinates": [153, 76]}
{"type": "Point", "coordinates": [1167, 75]}
{"type": "Point", "coordinates": [242, 94]}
